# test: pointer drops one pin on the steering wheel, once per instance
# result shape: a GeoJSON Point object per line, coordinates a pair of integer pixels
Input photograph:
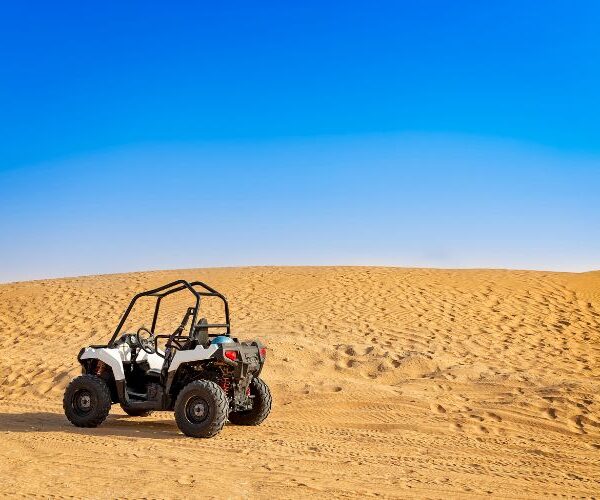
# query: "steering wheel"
{"type": "Point", "coordinates": [147, 344]}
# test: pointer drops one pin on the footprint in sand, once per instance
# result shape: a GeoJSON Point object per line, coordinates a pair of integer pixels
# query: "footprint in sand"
{"type": "Point", "coordinates": [494, 416]}
{"type": "Point", "coordinates": [438, 408]}
{"type": "Point", "coordinates": [577, 422]}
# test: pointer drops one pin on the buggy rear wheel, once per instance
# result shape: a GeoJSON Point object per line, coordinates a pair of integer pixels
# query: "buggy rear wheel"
{"type": "Point", "coordinates": [87, 401]}
{"type": "Point", "coordinates": [201, 409]}
{"type": "Point", "coordinates": [261, 405]}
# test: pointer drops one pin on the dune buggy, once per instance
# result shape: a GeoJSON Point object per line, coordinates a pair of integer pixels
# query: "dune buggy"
{"type": "Point", "coordinates": [204, 377]}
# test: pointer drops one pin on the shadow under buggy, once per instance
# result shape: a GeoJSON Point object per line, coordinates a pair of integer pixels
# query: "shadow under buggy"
{"type": "Point", "coordinates": [205, 378]}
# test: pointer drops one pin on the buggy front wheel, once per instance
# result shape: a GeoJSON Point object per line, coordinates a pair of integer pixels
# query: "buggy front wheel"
{"type": "Point", "coordinates": [87, 401]}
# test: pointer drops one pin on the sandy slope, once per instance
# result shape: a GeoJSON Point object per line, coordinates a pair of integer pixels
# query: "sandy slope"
{"type": "Point", "coordinates": [387, 382]}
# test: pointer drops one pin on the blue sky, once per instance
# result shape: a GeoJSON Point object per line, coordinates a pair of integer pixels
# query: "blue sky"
{"type": "Point", "coordinates": [446, 134]}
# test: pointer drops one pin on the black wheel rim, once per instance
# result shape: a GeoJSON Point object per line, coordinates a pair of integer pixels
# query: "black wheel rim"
{"type": "Point", "coordinates": [82, 402]}
{"type": "Point", "coordinates": [197, 410]}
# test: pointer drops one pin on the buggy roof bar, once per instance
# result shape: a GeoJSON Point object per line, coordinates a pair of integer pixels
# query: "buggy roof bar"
{"type": "Point", "coordinates": [174, 287]}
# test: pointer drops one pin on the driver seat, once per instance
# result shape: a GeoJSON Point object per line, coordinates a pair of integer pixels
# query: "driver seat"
{"type": "Point", "coordinates": [200, 332]}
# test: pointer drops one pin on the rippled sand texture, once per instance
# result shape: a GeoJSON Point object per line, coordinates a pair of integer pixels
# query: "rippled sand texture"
{"type": "Point", "coordinates": [387, 382]}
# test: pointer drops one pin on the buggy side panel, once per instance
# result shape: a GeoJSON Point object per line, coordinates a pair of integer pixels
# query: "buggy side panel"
{"type": "Point", "coordinates": [109, 356]}
{"type": "Point", "coordinates": [197, 354]}
{"type": "Point", "coordinates": [154, 360]}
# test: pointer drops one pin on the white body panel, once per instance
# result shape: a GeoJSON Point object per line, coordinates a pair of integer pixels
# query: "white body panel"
{"type": "Point", "coordinates": [112, 357]}
{"type": "Point", "coordinates": [115, 358]}
{"type": "Point", "coordinates": [154, 360]}
{"type": "Point", "coordinates": [196, 354]}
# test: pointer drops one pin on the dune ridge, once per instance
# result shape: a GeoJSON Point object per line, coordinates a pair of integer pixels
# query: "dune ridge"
{"type": "Point", "coordinates": [387, 382]}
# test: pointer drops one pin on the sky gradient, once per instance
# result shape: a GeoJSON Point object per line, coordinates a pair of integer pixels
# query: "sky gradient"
{"type": "Point", "coordinates": [442, 134]}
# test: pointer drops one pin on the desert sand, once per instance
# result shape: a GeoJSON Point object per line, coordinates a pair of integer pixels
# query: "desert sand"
{"type": "Point", "coordinates": [387, 382]}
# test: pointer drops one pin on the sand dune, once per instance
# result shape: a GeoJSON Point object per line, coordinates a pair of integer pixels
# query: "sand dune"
{"type": "Point", "coordinates": [387, 382]}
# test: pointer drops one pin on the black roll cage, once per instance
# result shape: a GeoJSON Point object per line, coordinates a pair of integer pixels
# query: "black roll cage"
{"type": "Point", "coordinates": [168, 289]}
